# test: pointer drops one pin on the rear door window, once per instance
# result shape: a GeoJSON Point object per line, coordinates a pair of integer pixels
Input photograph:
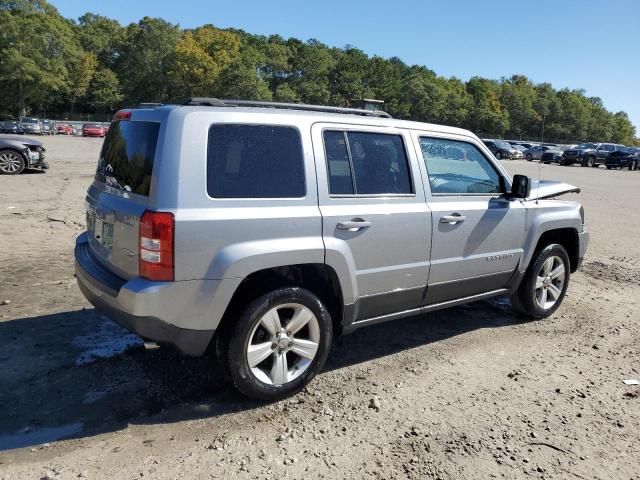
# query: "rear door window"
{"type": "Point", "coordinates": [255, 161]}
{"type": "Point", "coordinates": [126, 159]}
{"type": "Point", "coordinates": [366, 163]}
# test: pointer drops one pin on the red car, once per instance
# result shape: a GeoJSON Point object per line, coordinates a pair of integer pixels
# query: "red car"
{"type": "Point", "coordinates": [92, 130]}
{"type": "Point", "coordinates": [64, 129]}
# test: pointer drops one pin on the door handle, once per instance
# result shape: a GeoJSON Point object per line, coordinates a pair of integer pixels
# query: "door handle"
{"type": "Point", "coordinates": [453, 219]}
{"type": "Point", "coordinates": [354, 225]}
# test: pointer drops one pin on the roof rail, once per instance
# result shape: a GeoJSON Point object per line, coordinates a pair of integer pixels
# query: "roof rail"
{"type": "Point", "coordinates": [204, 102]}
{"type": "Point", "coordinates": [216, 102]}
{"type": "Point", "coordinates": [149, 105]}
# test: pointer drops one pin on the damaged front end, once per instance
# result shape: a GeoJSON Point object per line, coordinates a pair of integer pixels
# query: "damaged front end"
{"type": "Point", "coordinates": [544, 189]}
{"type": "Point", "coordinates": [35, 155]}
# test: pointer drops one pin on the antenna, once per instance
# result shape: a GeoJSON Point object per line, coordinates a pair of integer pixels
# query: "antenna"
{"type": "Point", "coordinates": [540, 162]}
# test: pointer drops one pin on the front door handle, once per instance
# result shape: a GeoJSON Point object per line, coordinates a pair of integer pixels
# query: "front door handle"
{"type": "Point", "coordinates": [354, 225]}
{"type": "Point", "coordinates": [453, 219]}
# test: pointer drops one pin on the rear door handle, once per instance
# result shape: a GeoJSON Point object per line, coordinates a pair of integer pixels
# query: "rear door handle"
{"type": "Point", "coordinates": [453, 219]}
{"type": "Point", "coordinates": [354, 225]}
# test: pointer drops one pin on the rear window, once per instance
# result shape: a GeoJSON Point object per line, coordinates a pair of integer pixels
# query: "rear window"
{"type": "Point", "coordinates": [255, 161]}
{"type": "Point", "coordinates": [126, 160]}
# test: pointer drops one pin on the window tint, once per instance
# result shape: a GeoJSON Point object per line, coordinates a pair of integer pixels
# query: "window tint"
{"type": "Point", "coordinates": [340, 179]}
{"type": "Point", "coordinates": [126, 159]}
{"type": "Point", "coordinates": [458, 167]}
{"type": "Point", "coordinates": [255, 161]}
{"type": "Point", "coordinates": [366, 163]}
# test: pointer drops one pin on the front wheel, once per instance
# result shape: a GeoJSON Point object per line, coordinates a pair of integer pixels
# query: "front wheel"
{"type": "Point", "coordinates": [529, 157]}
{"type": "Point", "coordinates": [545, 283]}
{"type": "Point", "coordinates": [633, 166]}
{"type": "Point", "coordinates": [11, 162]}
{"type": "Point", "coordinates": [279, 344]}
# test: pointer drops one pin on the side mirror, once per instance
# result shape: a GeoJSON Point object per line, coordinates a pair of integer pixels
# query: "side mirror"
{"type": "Point", "coordinates": [521, 187]}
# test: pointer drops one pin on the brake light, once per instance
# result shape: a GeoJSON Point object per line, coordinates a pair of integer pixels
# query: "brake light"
{"type": "Point", "coordinates": [156, 246]}
{"type": "Point", "coordinates": [122, 115]}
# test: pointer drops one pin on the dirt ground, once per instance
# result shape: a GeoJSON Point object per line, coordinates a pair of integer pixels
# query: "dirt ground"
{"type": "Point", "coordinates": [466, 393]}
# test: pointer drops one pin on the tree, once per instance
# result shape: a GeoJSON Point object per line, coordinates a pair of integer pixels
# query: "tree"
{"type": "Point", "coordinates": [486, 114]}
{"type": "Point", "coordinates": [36, 47]}
{"type": "Point", "coordinates": [198, 59]}
{"type": "Point", "coordinates": [101, 36]}
{"type": "Point", "coordinates": [146, 58]}
{"type": "Point", "coordinates": [105, 92]}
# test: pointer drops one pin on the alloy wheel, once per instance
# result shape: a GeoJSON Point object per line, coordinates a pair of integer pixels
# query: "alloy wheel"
{"type": "Point", "coordinates": [283, 344]}
{"type": "Point", "coordinates": [10, 162]}
{"type": "Point", "coordinates": [550, 282]}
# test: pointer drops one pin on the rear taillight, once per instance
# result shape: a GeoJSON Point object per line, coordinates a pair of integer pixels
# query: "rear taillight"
{"type": "Point", "coordinates": [156, 246]}
{"type": "Point", "coordinates": [122, 115]}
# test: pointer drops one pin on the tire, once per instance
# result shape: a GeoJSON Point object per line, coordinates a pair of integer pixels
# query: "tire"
{"type": "Point", "coordinates": [264, 322]}
{"type": "Point", "coordinates": [633, 166]}
{"type": "Point", "coordinates": [499, 155]}
{"type": "Point", "coordinates": [590, 162]}
{"type": "Point", "coordinates": [529, 157]}
{"type": "Point", "coordinates": [609, 167]}
{"type": "Point", "coordinates": [11, 162]}
{"type": "Point", "coordinates": [538, 299]}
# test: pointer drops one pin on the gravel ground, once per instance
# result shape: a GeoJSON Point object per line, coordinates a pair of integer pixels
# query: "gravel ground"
{"type": "Point", "coordinates": [465, 393]}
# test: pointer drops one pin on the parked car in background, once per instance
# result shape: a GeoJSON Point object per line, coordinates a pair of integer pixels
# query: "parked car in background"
{"type": "Point", "coordinates": [11, 127]}
{"type": "Point", "coordinates": [502, 149]}
{"type": "Point", "coordinates": [48, 127]}
{"type": "Point", "coordinates": [19, 153]}
{"type": "Point", "coordinates": [552, 155]}
{"type": "Point", "coordinates": [535, 152]}
{"type": "Point", "coordinates": [64, 129]}
{"type": "Point", "coordinates": [92, 130]}
{"type": "Point", "coordinates": [31, 126]}
{"type": "Point", "coordinates": [604, 150]}
{"type": "Point", "coordinates": [584, 154]}
{"type": "Point", "coordinates": [624, 157]}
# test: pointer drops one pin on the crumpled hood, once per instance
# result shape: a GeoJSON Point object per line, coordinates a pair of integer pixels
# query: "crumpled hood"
{"type": "Point", "coordinates": [550, 188]}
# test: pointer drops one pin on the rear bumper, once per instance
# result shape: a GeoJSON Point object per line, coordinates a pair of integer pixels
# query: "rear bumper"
{"type": "Point", "coordinates": [146, 308]}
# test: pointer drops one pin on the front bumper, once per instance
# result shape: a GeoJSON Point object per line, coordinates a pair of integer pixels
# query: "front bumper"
{"type": "Point", "coordinates": [583, 244]}
{"type": "Point", "coordinates": [139, 305]}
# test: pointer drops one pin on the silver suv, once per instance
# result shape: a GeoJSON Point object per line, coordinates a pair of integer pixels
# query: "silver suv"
{"type": "Point", "coordinates": [259, 231]}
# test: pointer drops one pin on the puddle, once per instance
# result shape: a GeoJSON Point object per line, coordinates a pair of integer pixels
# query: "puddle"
{"type": "Point", "coordinates": [107, 341]}
{"type": "Point", "coordinates": [27, 437]}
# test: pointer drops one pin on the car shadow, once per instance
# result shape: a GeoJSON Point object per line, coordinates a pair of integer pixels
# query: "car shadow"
{"type": "Point", "coordinates": [76, 374]}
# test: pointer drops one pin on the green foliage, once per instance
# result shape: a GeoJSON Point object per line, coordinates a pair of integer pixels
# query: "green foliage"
{"type": "Point", "coordinates": [98, 65]}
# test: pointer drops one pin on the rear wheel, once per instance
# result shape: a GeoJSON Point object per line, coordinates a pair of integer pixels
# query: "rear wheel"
{"type": "Point", "coordinates": [633, 166]}
{"type": "Point", "coordinates": [529, 157]}
{"type": "Point", "coordinates": [499, 155]}
{"type": "Point", "coordinates": [11, 162]}
{"type": "Point", "coordinates": [279, 344]}
{"type": "Point", "coordinates": [545, 283]}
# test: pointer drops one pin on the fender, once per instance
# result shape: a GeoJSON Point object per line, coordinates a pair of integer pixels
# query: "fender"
{"type": "Point", "coordinates": [544, 216]}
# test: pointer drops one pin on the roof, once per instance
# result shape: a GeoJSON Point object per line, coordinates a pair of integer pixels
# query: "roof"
{"type": "Point", "coordinates": [345, 116]}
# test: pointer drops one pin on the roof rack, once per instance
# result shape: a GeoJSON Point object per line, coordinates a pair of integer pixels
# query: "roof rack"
{"type": "Point", "coordinates": [216, 102]}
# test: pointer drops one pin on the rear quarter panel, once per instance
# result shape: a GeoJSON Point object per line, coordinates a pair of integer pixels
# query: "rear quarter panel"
{"type": "Point", "coordinates": [219, 238]}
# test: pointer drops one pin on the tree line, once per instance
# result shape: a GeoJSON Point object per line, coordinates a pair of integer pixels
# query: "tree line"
{"type": "Point", "coordinates": [95, 64]}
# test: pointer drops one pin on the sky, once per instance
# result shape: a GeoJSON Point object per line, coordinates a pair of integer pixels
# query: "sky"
{"type": "Point", "coordinates": [587, 44]}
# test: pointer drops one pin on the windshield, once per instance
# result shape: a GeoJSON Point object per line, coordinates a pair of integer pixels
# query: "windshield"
{"type": "Point", "coordinates": [29, 120]}
{"type": "Point", "coordinates": [91, 125]}
{"type": "Point", "coordinates": [503, 145]}
{"type": "Point", "coordinates": [584, 146]}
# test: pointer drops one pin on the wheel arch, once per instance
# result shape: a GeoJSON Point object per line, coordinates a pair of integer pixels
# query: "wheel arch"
{"type": "Point", "coordinates": [567, 237]}
{"type": "Point", "coordinates": [318, 278]}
